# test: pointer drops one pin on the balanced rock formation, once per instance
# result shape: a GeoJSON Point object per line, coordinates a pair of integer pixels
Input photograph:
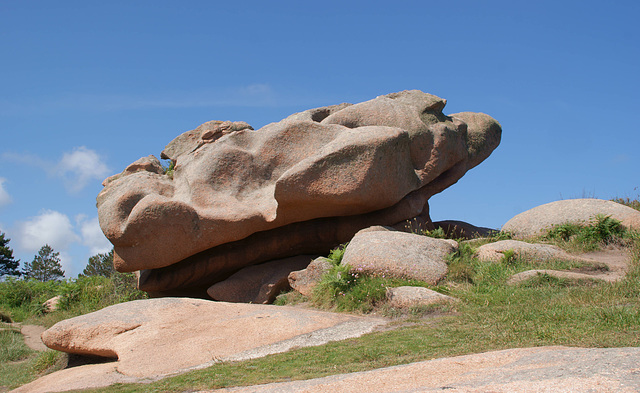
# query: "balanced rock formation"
{"type": "Point", "coordinates": [540, 219]}
{"type": "Point", "coordinates": [239, 197]}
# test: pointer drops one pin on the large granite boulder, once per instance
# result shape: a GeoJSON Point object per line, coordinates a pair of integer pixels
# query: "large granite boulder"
{"type": "Point", "coordinates": [399, 254]}
{"type": "Point", "coordinates": [540, 219]}
{"type": "Point", "coordinates": [239, 197]}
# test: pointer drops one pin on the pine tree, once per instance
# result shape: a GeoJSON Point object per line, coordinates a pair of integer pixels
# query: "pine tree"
{"type": "Point", "coordinates": [45, 266]}
{"type": "Point", "coordinates": [8, 264]}
{"type": "Point", "coordinates": [100, 265]}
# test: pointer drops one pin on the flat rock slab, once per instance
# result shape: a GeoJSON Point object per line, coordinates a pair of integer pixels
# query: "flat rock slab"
{"type": "Point", "coordinates": [526, 275]}
{"type": "Point", "coordinates": [543, 369]}
{"type": "Point", "coordinates": [494, 252]}
{"type": "Point", "coordinates": [157, 337]}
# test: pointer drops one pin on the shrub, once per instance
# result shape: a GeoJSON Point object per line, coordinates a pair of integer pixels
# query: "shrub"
{"type": "Point", "coordinates": [602, 230]}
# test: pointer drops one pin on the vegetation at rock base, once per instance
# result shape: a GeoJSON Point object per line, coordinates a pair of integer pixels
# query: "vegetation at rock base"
{"type": "Point", "coordinates": [601, 231]}
{"type": "Point", "coordinates": [489, 316]}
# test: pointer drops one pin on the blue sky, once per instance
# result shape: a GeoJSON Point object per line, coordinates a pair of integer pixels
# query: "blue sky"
{"type": "Point", "coordinates": [88, 87]}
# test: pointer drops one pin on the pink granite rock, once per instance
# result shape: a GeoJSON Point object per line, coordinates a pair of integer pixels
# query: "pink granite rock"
{"type": "Point", "coordinates": [259, 284]}
{"type": "Point", "coordinates": [240, 197]}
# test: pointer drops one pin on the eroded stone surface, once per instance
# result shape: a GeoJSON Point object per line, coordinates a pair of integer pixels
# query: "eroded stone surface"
{"type": "Point", "coordinates": [240, 197]}
{"type": "Point", "coordinates": [156, 337]}
{"type": "Point", "coordinates": [542, 369]}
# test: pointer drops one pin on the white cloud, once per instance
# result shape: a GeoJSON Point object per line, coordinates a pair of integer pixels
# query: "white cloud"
{"type": "Point", "coordinates": [5, 198]}
{"type": "Point", "coordinates": [81, 166]}
{"type": "Point", "coordinates": [50, 227]}
{"type": "Point", "coordinates": [76, 168]}
{"type": "Point", "coordinates": [92, 235]}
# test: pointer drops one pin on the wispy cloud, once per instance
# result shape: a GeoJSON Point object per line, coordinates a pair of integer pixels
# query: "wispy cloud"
{"type": "Point", "coordinates": [252, 95]}
{"type": "Point", "coordinates": [5, 198]}
{"type": "Point", "coordinates": [76, 168]}
{"type": "Point", "coordinates": [81, 166]}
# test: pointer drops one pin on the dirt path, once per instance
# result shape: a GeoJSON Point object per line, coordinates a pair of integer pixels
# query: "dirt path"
{"type": "Point", "coordinates": [31, 334]}
{"type": "Point", "coordinates": [616, 259]}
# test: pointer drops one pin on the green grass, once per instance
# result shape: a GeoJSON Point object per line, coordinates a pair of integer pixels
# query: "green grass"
{"type": "Point", "coordinates": [22, 301]}
{"type": "Point", "coordinates": [489, 316]}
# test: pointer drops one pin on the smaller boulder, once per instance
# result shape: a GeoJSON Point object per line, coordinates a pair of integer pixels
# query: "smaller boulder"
{"type": "Point", "coordinates": [399, 254]}
{"type": "Point", "coordinates": [526, 275]}
{"type": "Point", "coordinates": [259, 284]}
{"type": "Point", "coordinates": [303, 281]}
{"type": "Point", "coordinates": [494, 252]}
{"type": "Point", "coordinates": [51, 304]}
{"type": "Point", "coordinates": [405, 297]}
{"type": "Point", "coordinates": [540, 219]}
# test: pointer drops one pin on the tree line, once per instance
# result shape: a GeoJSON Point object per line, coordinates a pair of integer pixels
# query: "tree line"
{"type": "Point", "coordinates": [46, 265]}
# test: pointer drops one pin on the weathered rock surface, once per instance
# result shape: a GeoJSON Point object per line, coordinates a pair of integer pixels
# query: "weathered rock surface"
{"type": "Point", "coordinates": [156, 337]}
{"type": "Point", "coordinates": [399, 254]}
{"type": "Point", "coordinates": [259, 284]}
{"type": "Point", "coordinates": [494, 252]}
{"type": "Point", "coordinates": [305, 280]}
{"type": "Point", "coordinates": [405, 297]}
{"type": "Point", "coordinates": [538, 220]}
{"type": "Point", "coordinates": [542, 369]}
{"type": "Point", "coordinates": [304, 185]}
{"type": "Point", "coordinates": [529, 274]}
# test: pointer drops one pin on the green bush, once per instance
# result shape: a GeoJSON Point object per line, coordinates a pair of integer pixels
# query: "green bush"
{"type": "Point", "coordinates": [344, 288]}
{"type": "Point", "coordinates": [602, 230]}
{"type": "Point", "coordinates": [22, 299]}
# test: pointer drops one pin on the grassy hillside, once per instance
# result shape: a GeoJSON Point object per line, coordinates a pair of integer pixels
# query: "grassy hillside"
{"type": "Point", "coordinates": [489, 316]}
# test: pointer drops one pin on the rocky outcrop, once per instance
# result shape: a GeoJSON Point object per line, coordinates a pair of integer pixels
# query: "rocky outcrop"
{"type": "Point", "coordinates": [259, 284]}
{"type": "Point", "coordinates": [239, 197]}
{"type": "Point", "coordinates": [399, 254]}
{"type": "Point", "coordinates": [540, 219]}
{"type": "Point", "coordinates": [156, 337]}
